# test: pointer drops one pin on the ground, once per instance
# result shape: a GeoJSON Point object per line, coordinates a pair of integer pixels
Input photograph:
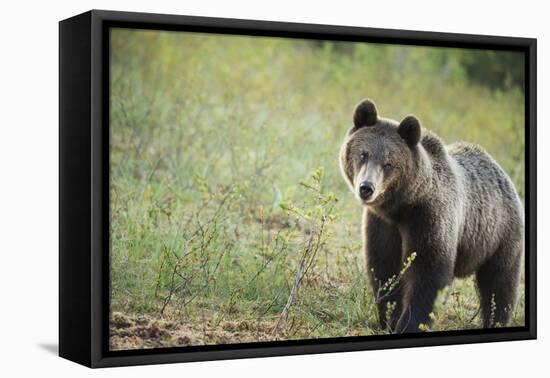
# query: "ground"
{"type": "Point", "coordinates": [454, 311]}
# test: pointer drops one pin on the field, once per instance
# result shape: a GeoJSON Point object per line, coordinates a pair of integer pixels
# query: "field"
{"type": "Point", "coordinates": [230, 221]}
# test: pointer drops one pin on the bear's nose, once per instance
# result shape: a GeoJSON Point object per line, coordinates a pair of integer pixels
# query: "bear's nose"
{"type": "Point", "coordinates": [365, 190]}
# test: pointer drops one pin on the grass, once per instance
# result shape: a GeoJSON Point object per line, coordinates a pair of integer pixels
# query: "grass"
{"type": "Point", "coordinates": [227, 204]}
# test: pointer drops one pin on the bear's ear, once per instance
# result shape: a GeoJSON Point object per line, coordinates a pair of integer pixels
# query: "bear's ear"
{"type": "Point", "coordinates": [409, 130]}
{"type": "Point", "coordinates": [365, 114]}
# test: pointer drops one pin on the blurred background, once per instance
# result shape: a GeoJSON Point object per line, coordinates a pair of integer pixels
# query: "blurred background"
{"type": "Point", "coordinates": [230, 221]}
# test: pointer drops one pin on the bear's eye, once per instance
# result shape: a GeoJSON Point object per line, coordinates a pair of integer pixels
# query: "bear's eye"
{"type": "Point", "coordinates": [364, 157]}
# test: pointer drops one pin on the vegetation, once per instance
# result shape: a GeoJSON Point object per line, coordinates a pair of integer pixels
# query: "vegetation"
{"type": "Point", "coordinates": [230, 221]}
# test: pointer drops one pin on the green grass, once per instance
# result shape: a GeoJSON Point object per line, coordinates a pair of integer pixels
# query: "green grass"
{"type": "Point", "coordinates": [225, 178]}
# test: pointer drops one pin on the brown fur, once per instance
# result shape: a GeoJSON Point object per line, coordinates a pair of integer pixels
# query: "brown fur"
{"type": "Point", "coordinates": [452, 205]}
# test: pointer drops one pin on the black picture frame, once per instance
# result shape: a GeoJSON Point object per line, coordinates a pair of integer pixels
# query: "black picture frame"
{"type": "Point", "coordinates": [84, 203]}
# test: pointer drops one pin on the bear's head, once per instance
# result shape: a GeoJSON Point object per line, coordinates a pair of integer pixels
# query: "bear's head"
{"type": "Point", "coordinates": [379, 156]}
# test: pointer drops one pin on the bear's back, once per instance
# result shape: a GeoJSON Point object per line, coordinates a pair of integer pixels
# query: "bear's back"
{"type": "Point", "coordinates": [482, 174]}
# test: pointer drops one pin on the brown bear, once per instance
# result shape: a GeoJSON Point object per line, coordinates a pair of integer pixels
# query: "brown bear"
{"type": "Point", "coordinates": [452, 206]}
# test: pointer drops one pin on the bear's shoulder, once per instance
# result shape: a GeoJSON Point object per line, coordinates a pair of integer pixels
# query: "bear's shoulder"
{"type": "Point", "coordinates": [433, 144]}
{"type": "Point", "coordinates": [463, 149]}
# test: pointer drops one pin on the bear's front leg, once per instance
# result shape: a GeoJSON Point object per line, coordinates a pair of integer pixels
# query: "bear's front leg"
{"type": "Point", "coordinates": [431, 271]}
{"type": "Point", "coordinates": [383, 253]}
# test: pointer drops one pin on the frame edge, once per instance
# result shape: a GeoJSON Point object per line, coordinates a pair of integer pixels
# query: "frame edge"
{"type": "Point", "coordinates": [74, 189]}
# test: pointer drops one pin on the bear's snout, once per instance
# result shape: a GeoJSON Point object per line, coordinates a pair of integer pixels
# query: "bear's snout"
{"type": "Point", "coordinates": [365, 190]}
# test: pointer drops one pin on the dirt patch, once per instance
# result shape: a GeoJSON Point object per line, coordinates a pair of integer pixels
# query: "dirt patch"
{"type": "Point", "coordinates": [147, 332]}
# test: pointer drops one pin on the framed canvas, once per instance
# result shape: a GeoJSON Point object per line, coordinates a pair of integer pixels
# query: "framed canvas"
{"type": "Point", "coordinates": [235, 188]}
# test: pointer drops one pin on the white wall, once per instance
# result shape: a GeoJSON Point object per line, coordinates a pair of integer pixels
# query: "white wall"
{"type": "Point", "coordinates": [29, 190]}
